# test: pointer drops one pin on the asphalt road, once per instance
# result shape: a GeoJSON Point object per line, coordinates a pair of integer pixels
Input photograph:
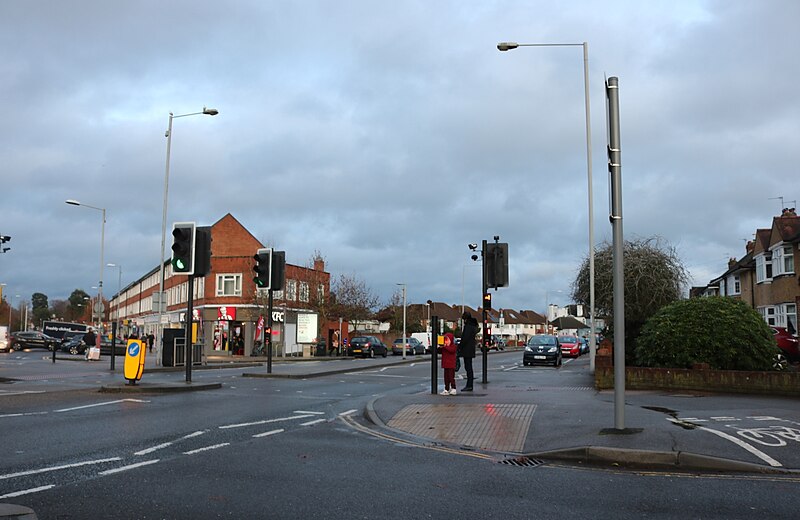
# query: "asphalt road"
{"type": "Point", "coordinates": [300, 448]}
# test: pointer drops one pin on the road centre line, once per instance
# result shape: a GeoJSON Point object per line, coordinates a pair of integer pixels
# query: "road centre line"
{"type": "Point", "coordinates": [266, 421]}
{"type": "Point", "coordinates": [101, 404]}
{"type": "Point", "coordinates": [309, 423]}
{"type": "Point", "coordinates": [128, 467]}
{"type": "Point", "coordinates": [3, 393]}
{"type": "Point", "coordinates": [56, 468]}
{"type": "Point", "coordinates": [154, 448]}
{"type": "Point", "coordinates": [23, 414]}
{"type": "Point", "coordinates": [214, 447]}
{"type": "Point", "coordinates": [26, 491]}
{"type": "Point", "coordinates": [195, 434]}
{"type": "Point", "coordinates": [266, 434]}
{"type": "Point", "coordinates": [313, 413]}
{"type": "Point", "coordinates": [752, 449]}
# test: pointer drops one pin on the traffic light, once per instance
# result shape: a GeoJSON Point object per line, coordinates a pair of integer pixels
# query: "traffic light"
{"type": "Point", "coordinates": [202, 251]}
{"type": "Point", "coordinates": [183, 237]}
{"type": "Point", "coordinates": [263, 267]}
{"type": "Point", "coordinates": [3, 240]}
{"type": "Point", "coordinates": [496, 257]}
{"type": "Point", "coordinates": [487, 301]}
{"type": "Point", "coordinates": [278, 270]}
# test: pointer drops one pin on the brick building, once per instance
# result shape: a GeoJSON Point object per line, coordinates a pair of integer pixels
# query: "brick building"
{"type": "Point", "coordinates": [227, 305]}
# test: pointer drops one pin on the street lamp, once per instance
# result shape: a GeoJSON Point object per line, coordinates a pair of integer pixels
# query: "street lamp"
{"type": "Point", "coordinates": [507, 46]}
{"type": "Point", "coordinates": [119, 287]}
{"type": "Point", "coordinates": [404, 319]}
{"type": "Point", "coordinates": [161, 300]}
{"type": "Point", "coordinates": [102, 248]}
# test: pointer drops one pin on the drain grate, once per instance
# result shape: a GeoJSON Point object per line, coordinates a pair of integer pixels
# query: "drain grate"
{"type": "Point", "coordinates": [522, 462]}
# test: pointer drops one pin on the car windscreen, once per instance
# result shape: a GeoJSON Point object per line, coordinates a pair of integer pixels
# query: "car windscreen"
{"type": "Point", "coordinates": [543, 340]}
{"type": "Point", "coordinates": [568, 339]}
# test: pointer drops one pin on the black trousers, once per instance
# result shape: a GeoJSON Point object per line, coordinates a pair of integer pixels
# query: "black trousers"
{"type": "Point", "coordinates": [468, 369]}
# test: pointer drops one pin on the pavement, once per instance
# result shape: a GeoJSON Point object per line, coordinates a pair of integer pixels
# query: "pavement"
{"type": "Point", "coordinates": [518, 421]}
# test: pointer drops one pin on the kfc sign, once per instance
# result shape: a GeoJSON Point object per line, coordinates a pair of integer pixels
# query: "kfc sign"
{"type": "Point", "coordinates": [226, 313]}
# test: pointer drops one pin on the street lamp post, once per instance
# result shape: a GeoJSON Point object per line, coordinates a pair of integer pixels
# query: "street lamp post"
{"type": "Point", "coordinates": [119, 288]}
{"type": "Point", "coordinates": [161, 300]}
{"type": "Point", "coordinates": [102, 249]}
{"type": "Point", "coordinates": [404, 319]}
{"type": "Point", "coordinates": [506, 46]}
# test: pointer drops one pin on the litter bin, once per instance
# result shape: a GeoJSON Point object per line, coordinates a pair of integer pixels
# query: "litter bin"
{"type": "Point", "coordinates": [322, 348]}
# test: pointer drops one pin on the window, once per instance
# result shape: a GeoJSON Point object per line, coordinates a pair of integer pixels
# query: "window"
{"type": "Point", "coordinates": [321, 293]}
{"type": "Point", "coordinates": [291, 290]}
{"type": "Point", "coordinates": [786, 316]}
{"type": "Point", "coordinates": [763, 268]}
{"type": "Point", "coordinates": [783, 260]}
{"type": "Point", "coordinates": [735, 284]}
{"type": "Point", "coordinates": [229, 284]}
{"type": "Point", "coordinates": [768, 313]}
{"type": "Point", "coordinates": [304, 293]}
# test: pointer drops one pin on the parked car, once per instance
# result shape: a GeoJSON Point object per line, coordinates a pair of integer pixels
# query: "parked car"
{"type": "Point", "coordinates": [497, 343]}
{"type": "Point", "coordinates": [413, 346]}
{"type": "Point", "coordinates": [788, 343]}
{"type": "Point", "coordinates": [425, 339]}
{"type": "Point", "coordinates": [32, 338]}
{"type": "Point", "coordinates": [367, 346]}
{"type": "Point", "coordinates": [105, 347]}
{"type": "Point", "coordinates": [68, 336]}
{"type": "Point", "coordinates": [74, 345]}
{"type": "Point", "coordinates": [542, 349]}
{"type": "Point", "coordinates": [570, 346]}
{"type": "Point", "coordinates": [584, 345]}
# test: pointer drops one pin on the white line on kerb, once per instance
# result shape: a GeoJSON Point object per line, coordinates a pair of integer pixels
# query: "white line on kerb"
{"type": "Point", "coordinates": [749, 447]}
{"type": "Point", "coordinates": [266, 434]}
{"type": "Point", "coordinates": [214, 447]}
{"type": "Point", "coordinates": [56, 468]}
{"type": "Point", "coordinates": [27, 491]}
{"type": "Point", "coordinates": [309, 423]}
{"type": "Point", "coordinates": [101, 404]}
{"type": "Point", "coordinates": [126, 468]}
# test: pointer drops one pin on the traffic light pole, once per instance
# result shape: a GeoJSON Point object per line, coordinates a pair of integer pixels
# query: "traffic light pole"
{"type": "Point", "coordinates": [485, 317]}
{"type": "Point", "coordinates": [434, 323]}
{"type": "Point", "coordinates": [268, 336]}
{"type": "Point", "coordinates": [188, 331]}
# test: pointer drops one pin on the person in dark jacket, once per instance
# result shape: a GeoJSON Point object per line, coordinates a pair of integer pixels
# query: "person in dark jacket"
{"type": "Point", "coordinates": [466, 349]}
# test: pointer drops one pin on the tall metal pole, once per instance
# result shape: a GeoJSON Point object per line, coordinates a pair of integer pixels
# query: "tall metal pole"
{"type": "Point", "coordinates": [615, 173]}
{"type": "Point", "coordinates": [434, 355]}
{"type": "Point", "coordinates": [188, 330]}
{"type": "Point", "coordinates": [161, 302]}
{"type": "Point", "coordinates": [404, 321]}
{"type": "Point", "coordinates": [485, 318]}
{"type": "Point", "coordinates": [268, 337]}
{"type": "Point", "coordinates": [592, 337]}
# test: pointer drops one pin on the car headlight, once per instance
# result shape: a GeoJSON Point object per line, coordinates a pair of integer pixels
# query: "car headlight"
{"type": "Point", "coordinates": [552, 349]}
{"type": "Point", "coordinates": [528, 348]}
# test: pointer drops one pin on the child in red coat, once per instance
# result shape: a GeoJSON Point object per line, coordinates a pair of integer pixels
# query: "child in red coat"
{"type": "Point", "coordinates": [448, 352]}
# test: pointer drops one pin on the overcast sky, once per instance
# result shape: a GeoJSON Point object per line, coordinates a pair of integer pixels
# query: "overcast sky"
{"type": "Point", "coordinates": [389, 135]}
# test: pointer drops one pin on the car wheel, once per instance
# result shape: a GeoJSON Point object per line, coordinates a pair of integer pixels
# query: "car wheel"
{"type": "Point", "coordinates": [384, 353]}
{"type": "Point", "coordinates": [73, 350]}
{"type": "Point", "coordinates": [371, 353]}
{"type": "Point", "coordinates": [779, 362]}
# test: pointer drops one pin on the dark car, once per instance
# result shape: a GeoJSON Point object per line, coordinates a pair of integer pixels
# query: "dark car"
{"type": "Point", "coordinates": [542, 349]}
{"type": "Point", "coordinates": [69, 335]}
{"type": "Point", "coordinates": [787, 343]}
{"type": "Point", "coordinates": [74, 345]}
{"type": "Point", "coordinates": [413, 346]}
{"type": "Point", "coordinates": [32, 338]}
{"type": "Point", "coordinates": [105, 347]}
{"type": "Point", "coordinates": [570, 346]}
{"type": "Point", "coordinates": [367, 346]}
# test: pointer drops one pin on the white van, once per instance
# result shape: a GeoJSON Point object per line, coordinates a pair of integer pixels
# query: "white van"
{"type": "Point", "coordinates": [424, 338]}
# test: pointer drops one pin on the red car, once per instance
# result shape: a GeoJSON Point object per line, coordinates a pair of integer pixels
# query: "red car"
{"type": "Point", "coordinates": [788, 343]}
{"type": "Point", "coordinates": [570, 346]}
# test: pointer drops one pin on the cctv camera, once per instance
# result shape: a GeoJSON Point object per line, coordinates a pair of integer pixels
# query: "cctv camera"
{"type": "Point", "coordinates": [473, 246]}
{"type": "Point", "coordinates": [475, 257]}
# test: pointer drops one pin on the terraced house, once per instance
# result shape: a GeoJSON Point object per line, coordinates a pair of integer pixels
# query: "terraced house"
{"type": "Point", "coordinates": [768, 277]}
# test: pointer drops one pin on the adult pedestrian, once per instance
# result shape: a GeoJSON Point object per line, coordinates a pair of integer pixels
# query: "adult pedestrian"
{"type": "Point", "coordinates": [90, 340]}
{"type": "Point", "coordinates": [466, 349]}
{"type": "Point", "coordinates": [448, 351]}
{"type": "Point", "coordinates": [151, 339]}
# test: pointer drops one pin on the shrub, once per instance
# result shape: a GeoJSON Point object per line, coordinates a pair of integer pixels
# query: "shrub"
{"type": "Point", "coordinates": [723, 332]}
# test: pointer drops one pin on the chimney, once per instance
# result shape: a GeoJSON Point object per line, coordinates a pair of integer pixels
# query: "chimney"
{"type": "Point", "coordinates": [731, 263]}
{"type": "Point", "coordinates": [319, 264]}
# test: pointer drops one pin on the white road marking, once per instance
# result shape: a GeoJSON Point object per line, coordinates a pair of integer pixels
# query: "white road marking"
{"type": "Point", "coordinates": [692, 419]}
{"type": "Point", "coordinates": [266, 434]}
{"type": "Point", "coordinates": [154, 448]}
{"type": "Point", "coordinates": [309, 423]}
{"type": "Point", "coordinates": [27, 491]}
{"type": "Point", "coordinates": [22, 414]}
{"type": "Point", "coordinates": [56, 468]}
{"type": "Point", "coordinates": [266, 421]}
{"type": "Point", "coordinates": [130, 466]}
{"type": "Point", "coordinates": [313, 413]}
{"type": "Point", "coordinates": [21, 392]}
{"type": "Point", "coordinates": [101, 404]}
{"type": "Point", "coordinates": [195, 434]}
{"type": "Point", "coordinates": [752, 449]}
{"type": "Point", "coordinates": [348, 412]}
{"type": "Point", "coordinates": [724, 419]}
{"type": "Point", "coordinates": [214, 447]}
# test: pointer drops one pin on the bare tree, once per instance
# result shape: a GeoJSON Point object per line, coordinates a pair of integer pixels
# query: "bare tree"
{"type": "Point", "coordinates": [354, 300]}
